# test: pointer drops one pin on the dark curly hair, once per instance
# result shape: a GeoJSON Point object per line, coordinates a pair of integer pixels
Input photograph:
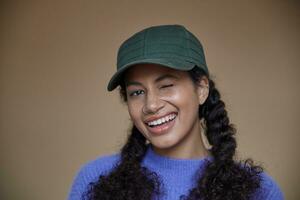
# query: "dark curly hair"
{"type": "Point", "coordinates": [224, 177]}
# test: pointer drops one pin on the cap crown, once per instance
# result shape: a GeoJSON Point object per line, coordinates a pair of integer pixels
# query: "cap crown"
{"type": "Point", "coordinates": [169, 45]}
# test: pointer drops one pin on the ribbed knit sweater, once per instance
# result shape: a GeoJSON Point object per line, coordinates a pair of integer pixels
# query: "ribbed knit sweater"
{"type": "Point", "coordinates": [177, 175]}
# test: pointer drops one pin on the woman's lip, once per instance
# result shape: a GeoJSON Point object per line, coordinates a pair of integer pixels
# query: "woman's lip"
{"type": "Point", "coordinates": [161, 129]}
{"type": "Point", "coordinates": [158, 117]}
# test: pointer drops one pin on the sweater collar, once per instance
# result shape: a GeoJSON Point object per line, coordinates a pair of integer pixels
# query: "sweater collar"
{"type": "Point", "coordinates": [156, 161]}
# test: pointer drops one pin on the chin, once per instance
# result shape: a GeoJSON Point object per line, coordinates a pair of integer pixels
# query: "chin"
{"type": "Point", "coordinates": [163, 144]}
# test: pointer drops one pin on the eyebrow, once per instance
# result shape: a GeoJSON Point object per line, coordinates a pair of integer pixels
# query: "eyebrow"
{"type": "Point", "coordinates": [158, 79]}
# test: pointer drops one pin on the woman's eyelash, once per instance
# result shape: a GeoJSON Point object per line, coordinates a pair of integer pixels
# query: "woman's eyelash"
{"type": "Point", "coordinates": [165, 86]}
{"type": "Point", "coordinates": [135, 93]}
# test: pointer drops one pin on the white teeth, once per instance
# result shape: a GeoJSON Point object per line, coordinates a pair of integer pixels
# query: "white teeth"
{"type": "Point", "coordinates": [161, 120]}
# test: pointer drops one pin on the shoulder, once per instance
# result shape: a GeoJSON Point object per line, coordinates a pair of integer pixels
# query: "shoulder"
{"type": "Point", "coordinates": [269, 189]}
{"type": "Point", "coordinates": [90, 172]}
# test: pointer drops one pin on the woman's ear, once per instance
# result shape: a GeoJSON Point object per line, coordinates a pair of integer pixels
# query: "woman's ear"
{"type": "Point", "coordinates": [203, 89]}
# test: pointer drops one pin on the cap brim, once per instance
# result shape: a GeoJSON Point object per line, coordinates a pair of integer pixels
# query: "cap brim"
{"type": "Point", "coordinates": [174, 64]}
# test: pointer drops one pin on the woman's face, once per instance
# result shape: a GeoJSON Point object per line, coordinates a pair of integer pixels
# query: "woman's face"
{"type": "Point", "coordinates": [163, 104]}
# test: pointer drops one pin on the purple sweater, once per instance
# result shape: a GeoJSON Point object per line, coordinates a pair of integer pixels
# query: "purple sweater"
{"type": "Point", "coordinates": [177, 175]}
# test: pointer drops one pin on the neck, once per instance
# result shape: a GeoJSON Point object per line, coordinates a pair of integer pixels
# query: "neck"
{"type": "Point", "coordinates": [191, 147]}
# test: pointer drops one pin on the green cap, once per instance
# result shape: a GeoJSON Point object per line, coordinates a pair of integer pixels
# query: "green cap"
{"type": "Point", "coordinates": [168, 45]}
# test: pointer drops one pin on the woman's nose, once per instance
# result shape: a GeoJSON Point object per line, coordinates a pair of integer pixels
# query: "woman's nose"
{"type": "Point", "coordinates": [152, 104]}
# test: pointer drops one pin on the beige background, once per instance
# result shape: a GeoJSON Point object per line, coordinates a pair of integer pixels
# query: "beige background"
{"type": "Point", "coordinates": [57, 57]}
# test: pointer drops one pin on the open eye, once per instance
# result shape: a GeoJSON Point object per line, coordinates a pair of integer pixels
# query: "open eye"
{"type": "Point", "coordinates": [136, 93]}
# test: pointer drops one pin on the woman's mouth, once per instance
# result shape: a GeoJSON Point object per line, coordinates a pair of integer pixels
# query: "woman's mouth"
{"type": "Point", "coordinates": [161, 125]}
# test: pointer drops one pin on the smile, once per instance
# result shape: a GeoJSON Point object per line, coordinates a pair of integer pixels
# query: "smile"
{"type": "Point", "coordinates": [162, 120]}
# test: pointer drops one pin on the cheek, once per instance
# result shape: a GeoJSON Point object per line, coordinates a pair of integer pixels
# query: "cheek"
{"type": "Point", "coordinates": [173, 95]}
{"type": "Point", "coordinates": [134, 111]}
{"type": "Point", "coordinates": [183, 97]}
{"type": "Point", "coordinates": [135, 116]}
{"type": "Point", "coordinates": [187, 102]}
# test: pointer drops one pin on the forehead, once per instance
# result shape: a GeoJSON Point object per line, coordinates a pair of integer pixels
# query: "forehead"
{"type": "Point", "coordinates": [146, 71]}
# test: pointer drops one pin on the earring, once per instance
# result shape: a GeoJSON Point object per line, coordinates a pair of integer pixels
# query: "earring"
{"type": "Point", "coordinates": [203, 135]}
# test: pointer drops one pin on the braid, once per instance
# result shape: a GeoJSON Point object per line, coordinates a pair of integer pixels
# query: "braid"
{"type": "Point", "coordinates": [135, 148]}
{"type": "Point", "coordinates": [128, 180]}
{"type": "Point", "coordinates": [219, 132]}
{"type": "Point", "coordinates": [224, 178]}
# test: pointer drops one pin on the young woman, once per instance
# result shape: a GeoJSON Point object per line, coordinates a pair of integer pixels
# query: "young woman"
{"type": "Point", "coordinates": [181, 144]}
